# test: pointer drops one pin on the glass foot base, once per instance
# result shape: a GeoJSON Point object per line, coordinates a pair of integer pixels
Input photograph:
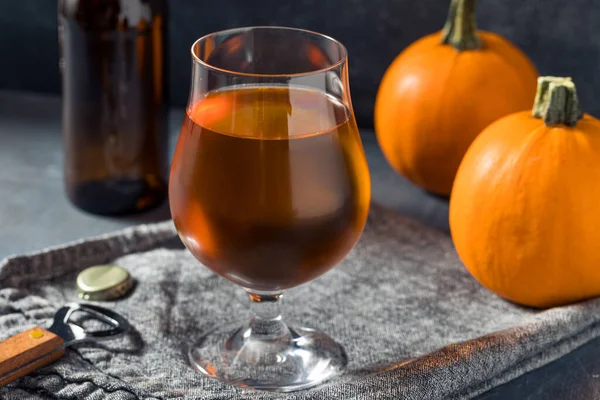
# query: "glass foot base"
{"type": "Point", "coordinates": [287, 360]}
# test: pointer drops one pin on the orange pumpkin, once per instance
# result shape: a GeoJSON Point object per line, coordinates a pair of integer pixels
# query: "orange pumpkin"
{"type": "Point", "coordinates": [524, 210]}
{"type": "Point", "coordinates": [442, 91]}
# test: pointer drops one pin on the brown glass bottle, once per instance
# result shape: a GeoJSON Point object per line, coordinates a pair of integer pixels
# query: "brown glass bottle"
{"type": "Point", "coordinates": [114, 112]}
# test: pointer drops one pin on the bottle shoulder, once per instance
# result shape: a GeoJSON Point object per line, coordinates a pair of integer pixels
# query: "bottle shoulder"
{"type": "Point", "coordinates": [112, 14]}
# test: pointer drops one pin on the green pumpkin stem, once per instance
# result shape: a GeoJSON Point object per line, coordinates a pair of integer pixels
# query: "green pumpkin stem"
{"type": "Point", "coordinates": [460, 30]}
{"type": "Point", "coordinates": [556, 101]}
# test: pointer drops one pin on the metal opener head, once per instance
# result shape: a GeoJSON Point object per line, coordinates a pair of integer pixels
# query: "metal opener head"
{"type": "Point", "coordinates": [73, 333]}
{"type": "Point", "coordinates": [37, 347]}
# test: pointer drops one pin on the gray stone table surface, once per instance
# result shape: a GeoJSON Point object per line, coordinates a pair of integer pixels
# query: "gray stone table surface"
{"type": "Point", "coordinates": [34, 213]}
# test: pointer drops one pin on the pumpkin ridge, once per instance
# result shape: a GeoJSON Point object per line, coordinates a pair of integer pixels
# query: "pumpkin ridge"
{"type": "Point", "coordinates": [401, 164]}
{"type": "Point", "coordinates": [487, 264]}
{"type": "Point", "coordinates": [441, 104]}
{"type": "Point", "coordinates": [424, 137]}
{"type": "Point", "coordinates": [423, 46]}
{"type": "Point", "coordinates": [497, 51]}
{"type": "Point", "coordinates": [440, 122]}
{"type": "Point", "coordinates": [422, 54]}
{"type": "Point", "coordinates": [504, 219]}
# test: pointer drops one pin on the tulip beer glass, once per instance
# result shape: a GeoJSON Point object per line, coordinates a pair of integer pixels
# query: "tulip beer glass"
{"type": "Point", "coordinates": [269, 188]}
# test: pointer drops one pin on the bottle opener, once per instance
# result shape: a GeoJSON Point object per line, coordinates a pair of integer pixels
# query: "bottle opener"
{"type": "Point", "coordinates": [37, 347]}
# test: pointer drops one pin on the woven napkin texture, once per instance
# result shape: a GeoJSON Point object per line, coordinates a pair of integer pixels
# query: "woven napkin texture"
{"type": "Point", "coordinates": [414, 324]}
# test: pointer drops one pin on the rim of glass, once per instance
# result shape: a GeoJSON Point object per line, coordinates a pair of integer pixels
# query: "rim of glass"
{"type": "Point", "coordinates": [343, 56]}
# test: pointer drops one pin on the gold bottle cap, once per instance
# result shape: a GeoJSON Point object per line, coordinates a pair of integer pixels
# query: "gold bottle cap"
{"type": "Point", "coordinates": [103, 282]}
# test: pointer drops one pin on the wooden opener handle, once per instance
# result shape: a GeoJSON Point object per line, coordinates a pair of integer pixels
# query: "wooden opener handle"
{"type": "Point", "coordinates": [28, 351]}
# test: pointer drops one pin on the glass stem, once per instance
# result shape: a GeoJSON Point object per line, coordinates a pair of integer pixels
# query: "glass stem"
{"type": "Point", "coordinates": [266, 319]}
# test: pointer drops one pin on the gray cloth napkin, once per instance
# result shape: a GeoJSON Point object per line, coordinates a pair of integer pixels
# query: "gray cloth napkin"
{"type": "Point", "coordinates": [414, 323]}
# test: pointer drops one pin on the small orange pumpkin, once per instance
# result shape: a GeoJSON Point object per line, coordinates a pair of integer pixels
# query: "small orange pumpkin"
{"type": "Point", "coordinates": [524, 210]}
{"type": "Point", "coordinates": [444, 89]}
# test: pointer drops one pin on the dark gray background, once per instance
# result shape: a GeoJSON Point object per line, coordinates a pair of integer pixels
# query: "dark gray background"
{"type": "Point", "coordinates": [562, 37]}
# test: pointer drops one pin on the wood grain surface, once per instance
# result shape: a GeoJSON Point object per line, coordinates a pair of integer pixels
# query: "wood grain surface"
{"type": "Point", "coordinates": [28, 351]}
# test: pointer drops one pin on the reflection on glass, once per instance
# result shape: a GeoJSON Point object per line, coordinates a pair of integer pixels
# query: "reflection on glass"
{"type": "Point", "coordinates": [269, 188]}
